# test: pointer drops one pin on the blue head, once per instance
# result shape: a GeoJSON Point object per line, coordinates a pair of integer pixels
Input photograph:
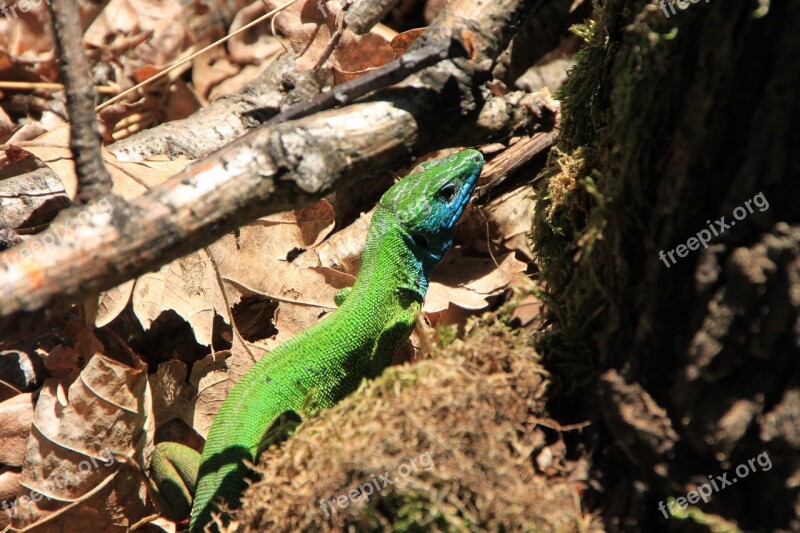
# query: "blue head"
{"type": "Point", "coordinates": [430, 200]}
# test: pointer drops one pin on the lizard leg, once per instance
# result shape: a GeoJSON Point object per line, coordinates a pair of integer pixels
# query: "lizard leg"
{"type": "Point", "coordinates": [173, 470]}
{"type": "Point", "coordinates": [390, 339]}
{"type": "Point", "coordinates": [341, 295]}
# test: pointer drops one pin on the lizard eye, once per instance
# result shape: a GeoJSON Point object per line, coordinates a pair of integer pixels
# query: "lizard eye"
{"type": "Point", "coordinates": [447, 192]}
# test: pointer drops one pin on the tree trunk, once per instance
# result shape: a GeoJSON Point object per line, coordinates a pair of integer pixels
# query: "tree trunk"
{"type": "Point", "coordinates": [675, 330]}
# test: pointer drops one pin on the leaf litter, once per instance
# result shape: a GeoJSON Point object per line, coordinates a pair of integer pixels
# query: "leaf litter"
{"type": "Point", "coordinates": [104, 406]}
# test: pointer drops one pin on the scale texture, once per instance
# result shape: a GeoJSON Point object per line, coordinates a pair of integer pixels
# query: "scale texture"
{"type": "Point", "coordinates": [410, 231]}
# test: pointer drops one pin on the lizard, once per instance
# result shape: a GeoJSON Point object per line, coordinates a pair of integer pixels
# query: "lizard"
{"type": "Point", "coordinates": [410, 231]}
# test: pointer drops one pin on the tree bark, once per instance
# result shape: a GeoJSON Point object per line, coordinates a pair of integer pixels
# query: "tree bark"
{"type": "Point", "coordinates": [689, 364]}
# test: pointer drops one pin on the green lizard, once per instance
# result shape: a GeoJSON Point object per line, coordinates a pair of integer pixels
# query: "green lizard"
{"type": "Point", "coordinates": [410, 231]}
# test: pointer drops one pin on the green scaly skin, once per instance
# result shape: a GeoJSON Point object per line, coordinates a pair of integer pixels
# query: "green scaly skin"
{"type": "Point", "coordinates": [410, 231]}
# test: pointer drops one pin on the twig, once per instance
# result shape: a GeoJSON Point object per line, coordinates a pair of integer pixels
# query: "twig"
{"type": "Point", "coordinates": [502, 169]}
{"type": "Point", "coordinates": [384, 76]}
{"type": "Point", "coordinates": [94, 180]}
{"type": "Point", "coordinates": [268, 170]}
{"type": "Point", "coordinates": [45, 86]}
{"type": "Point", "coordinates": [335, 38]}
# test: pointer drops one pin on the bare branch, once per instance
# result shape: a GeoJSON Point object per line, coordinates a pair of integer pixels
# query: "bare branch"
{"type": "Point", "coordinates": [270, 169]}
{"type": "Point", "coordinates": [384, 76]}
{"type": "Point", "coordinates": [94, 180]}
{"type": "Point", "coordinates": [365, 14]}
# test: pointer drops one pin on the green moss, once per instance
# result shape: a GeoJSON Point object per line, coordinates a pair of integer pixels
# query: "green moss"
{"type": "Point", "coordinates": [446, 334]}
{"type": "Point", "coordinates": [585, 228]}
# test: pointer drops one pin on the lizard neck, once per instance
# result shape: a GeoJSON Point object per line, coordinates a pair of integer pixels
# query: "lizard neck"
{"type": "Point", "coordinates": [391, 265]}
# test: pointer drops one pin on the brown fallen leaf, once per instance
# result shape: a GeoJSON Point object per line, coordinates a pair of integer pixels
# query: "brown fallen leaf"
{"type": "Point", "coordinates": [130, 179]}
{"type": "Point", "coordinates": [111, 303]}
{"type": "Point", "coordinates": [209, 70]}
{"type": "Point", "coordinates": [257, 261]}
{"type": "Point", "coordinates": [468, 282]}
{"type": "Point", "coordinates": [166, 24]}
{"type": "Point", "coordinates": [187, 286]}
{"type": "Point", "coordinates": [9, 490]}
{"type": "Point", "coordinates": [403, 41]}
{"type": "Point", "coordinates": [89, 441]}
{"type": "Point", "coordinates": [505, 222]}
{"type": "Point", "coordinates": [27, 43]}
{"type": "Point", "coordinates": [66, 359]}
{"type": "Point", "coordinates": [210, 379]}
{"type": "Point", "coordinates": [16, 415]}
{"type": "Point", "coordinates": [7, 126]}
{"type": "Point", "coordinates": [309, 26]}
{"type": "Point", "coordinates": [172, 396]}
{"type": "Point", "coordinates": [253, 46]}
{"type": "Point", "coordinates": [341, 251]}
{"type": "Point", "coordinates": [528, 310]}
{"type": "Point", "coordinates": [253, 260]}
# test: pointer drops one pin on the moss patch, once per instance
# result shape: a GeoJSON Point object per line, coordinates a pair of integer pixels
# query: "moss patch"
{"type": "Point", "coordinates": [463, 426]}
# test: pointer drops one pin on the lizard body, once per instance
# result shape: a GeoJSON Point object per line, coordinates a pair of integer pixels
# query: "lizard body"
{"type": "Point", "coordinates": [410, 231]}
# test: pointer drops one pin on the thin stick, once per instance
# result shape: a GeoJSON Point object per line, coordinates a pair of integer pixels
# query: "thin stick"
{"type": "Point", "coordinates": [46, 86]}
{"type": "Point", "coordinates": [172, 67]}
{"type": "Point", "coordinates": [94, 180]}
{"type": "Point", "coordinates": [383, 76]}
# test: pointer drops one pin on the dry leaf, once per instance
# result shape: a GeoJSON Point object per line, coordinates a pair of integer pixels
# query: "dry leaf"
{"type": "Point", "coordinates": [342, 251]}
{"type": "Point", "coordinates": [7, 126]}
{"type": "Point", "coordinates": [527, 310]}
{"type": "Point", "coordinates": [211, 69]}
{"type": "Point", "coordinates": [187, 286]}
{"type": "Point", "coordinates": [16, 415]}
{"type": "Point", "coordinates": [9, 490]}
{"type": "Point", "coordinates": [27, 40]}
{"type": "Point", "coordinates": [65, 359]}
{"type": "Point", "coordinates": [309, 25]}
{"type": "Point", "coordinates": [254, 45]}
{"type": "Point", "coordinates": [210, 379]}
{"type": "Point", "coordinates": [468, 281]}
{"type": "Point", "coordinates": [256, 261]}
{"type": "Point", "coordinates": [403, 41]}
{"type": "Point", "coordinates": [73, 464]}
{"type": "Point", "coordinates": [111, 303]}
{"type": "Point", "coordinates": [509, 219]}
{"type": "Point", "coordinates": [165, 24]}
{"type": "Point", "coordinates": [130, 179]}
{"type": "Point", "coordinates": [172, 396]}
{"type": "Point", "coordinates": [253, 260]}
